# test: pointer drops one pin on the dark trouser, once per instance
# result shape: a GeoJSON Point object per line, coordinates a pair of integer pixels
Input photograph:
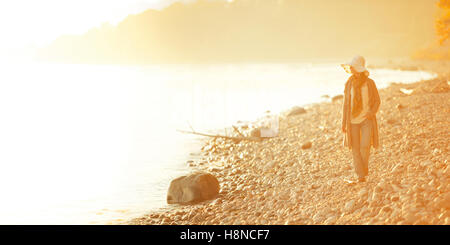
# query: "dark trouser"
{"type": "Point", "coordinates": [361, 136]}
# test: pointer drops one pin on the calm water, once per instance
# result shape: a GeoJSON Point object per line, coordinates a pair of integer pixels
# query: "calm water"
{"type": "Point", "coordinates": [85, 144]}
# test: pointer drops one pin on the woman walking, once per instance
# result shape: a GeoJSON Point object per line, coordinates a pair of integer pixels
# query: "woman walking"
{"type": "Point", "coordinates": [359, 123]}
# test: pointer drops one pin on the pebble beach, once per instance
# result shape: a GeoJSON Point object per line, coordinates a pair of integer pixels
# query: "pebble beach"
{"type": "Point", "coordinates": [299, 177]}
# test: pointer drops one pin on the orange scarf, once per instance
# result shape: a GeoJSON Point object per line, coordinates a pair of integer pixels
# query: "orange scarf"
{"type": "Point", "coordinates": [357, 98]}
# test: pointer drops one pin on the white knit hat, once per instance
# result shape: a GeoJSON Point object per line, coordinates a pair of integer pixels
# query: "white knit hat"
{"type": "Point", "coordinates": [358, 63]}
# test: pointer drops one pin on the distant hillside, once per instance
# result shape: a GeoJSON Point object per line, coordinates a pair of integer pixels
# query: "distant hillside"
{"type": "Point", "coordinates": [255, 30]}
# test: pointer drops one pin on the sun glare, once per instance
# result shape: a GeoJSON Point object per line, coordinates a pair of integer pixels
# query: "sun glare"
{"type": "Point", "coordinates": [35, 23]}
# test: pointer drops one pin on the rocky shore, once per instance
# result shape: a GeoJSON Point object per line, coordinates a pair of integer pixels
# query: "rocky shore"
{"type": "Point", "coordinates": [299, 176]}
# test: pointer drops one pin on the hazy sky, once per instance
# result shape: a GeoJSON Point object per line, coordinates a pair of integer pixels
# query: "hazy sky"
{"type": "Point", "coordinates": [35, 23]}
{"type": "Point", "coordinates": [31, 22]}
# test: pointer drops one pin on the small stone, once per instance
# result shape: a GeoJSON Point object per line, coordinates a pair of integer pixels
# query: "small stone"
{"type": "Point", "coordinates": [236, 171]}
{"type": "Point", "coordinates": [378, 189]}
{"type": "Point", "coordinates": [410, 218]}
{"type": "Point", "coordinates": [391, 121]}
{"type": "Point", "coordinates": [362, 193]}
{"type": "Point", "coordinates": [444, 202]}
{"type": "Point", "coordinates": [270, 165]}
{"type": "Point", "coordinates": [307, 145]}
{"type": "Point", "coordinates": [256, 132]}
{"type": "Point", "coordinates": [394, 198]}
{"type": "Point", "coordinates": [396, 188]}
{"type": "Point", "coordinates": [214, 169]}
{"type": "Point", "coordinates": [400, 106]}
{"type": "Point", "coordinates": [376, 196]}
{"type": "Point", "coordinates": [331, 220]}
{"type": "Point", "coordinates": [349, 206]}
{"type": "Point", "coordinates": [296, 110]}
{"type": "Point", "coordinates": [317, 218]}
{"type": "Point", "coordinates": [396, 168]}
{"type": "Point", "coordinates": [289, 222]}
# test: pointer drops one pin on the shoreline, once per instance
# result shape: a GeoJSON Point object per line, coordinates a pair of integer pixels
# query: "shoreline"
{"type": "Point", "coordinates": [275, 181]}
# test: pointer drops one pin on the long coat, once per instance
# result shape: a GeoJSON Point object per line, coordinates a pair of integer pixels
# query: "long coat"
{"type": "Point", "coordinates": [374, 105]}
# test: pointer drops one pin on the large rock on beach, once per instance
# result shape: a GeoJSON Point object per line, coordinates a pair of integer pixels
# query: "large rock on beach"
{"type": "Point", "coordinates": [193, 188]}
{"type": "Point", "coordinates": [256, 132]}
{"type": "Point", "coordinates": [296, 110]}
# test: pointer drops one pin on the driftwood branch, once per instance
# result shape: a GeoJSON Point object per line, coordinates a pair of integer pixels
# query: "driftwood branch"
{"type": "Point", "coordinates": [191, 126]}
{"type": "Point", "coordinates": [220, 136]}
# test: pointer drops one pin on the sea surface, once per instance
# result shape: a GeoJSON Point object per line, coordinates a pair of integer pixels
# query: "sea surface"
{"type": "Point", "coordinates": [98, 144]}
